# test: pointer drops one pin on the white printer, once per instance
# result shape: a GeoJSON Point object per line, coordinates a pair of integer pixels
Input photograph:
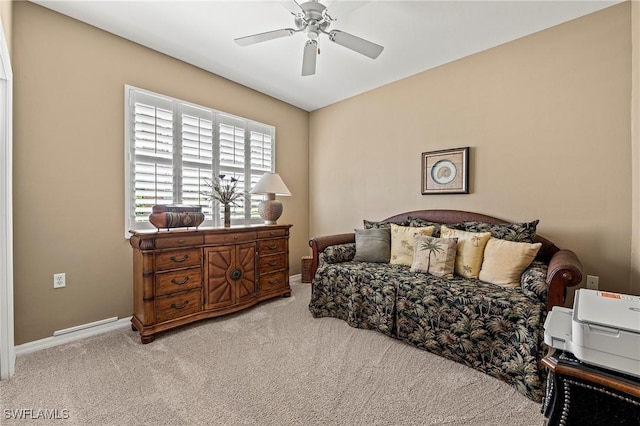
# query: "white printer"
{"type": "Point", "coordinates": [602, 329]}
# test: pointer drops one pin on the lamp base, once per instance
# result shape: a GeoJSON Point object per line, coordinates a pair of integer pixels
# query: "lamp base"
{"type": "Point", "coordinates": [270, 211]}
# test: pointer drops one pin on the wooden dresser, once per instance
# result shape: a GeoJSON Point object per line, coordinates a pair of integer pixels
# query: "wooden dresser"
{"type": "Point", "coordinates": [181, 276]}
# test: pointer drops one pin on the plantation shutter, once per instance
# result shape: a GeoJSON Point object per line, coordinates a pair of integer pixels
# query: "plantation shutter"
{"type": "Point", "coordinates": [232, 157]}
{"type": "Point", "coordinates": [197, 158]}
{"type": "Point", "coordinates": [153, 150]}
{"type": "Point", "coordinates": [261, 147]}
{"type": "Point", "coordinates": [173, 150]}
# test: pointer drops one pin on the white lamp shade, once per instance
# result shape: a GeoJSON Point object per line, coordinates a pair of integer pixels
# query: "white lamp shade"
{"type": "Point", "coordinates": [270, 183]}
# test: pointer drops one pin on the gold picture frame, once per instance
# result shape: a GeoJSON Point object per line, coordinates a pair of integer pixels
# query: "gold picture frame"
{"type": "Point", "coordinates": [445, 171]}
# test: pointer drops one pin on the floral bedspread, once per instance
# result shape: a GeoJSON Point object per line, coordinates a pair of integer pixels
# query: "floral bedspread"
{"type": "Point", "coordinates": [496, 330]}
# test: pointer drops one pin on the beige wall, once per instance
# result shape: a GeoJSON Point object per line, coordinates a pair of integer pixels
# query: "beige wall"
{"type": "Point", "coordinates": [635, 135]}
{"type": "Point", "coordinates": [547, 118]}
{"type": "Point", "coordinates": [69, 163]}
{"type": "Point", "coordinates": [7, 20]}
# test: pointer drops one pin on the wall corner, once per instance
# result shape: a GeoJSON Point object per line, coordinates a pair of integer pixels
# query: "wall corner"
{"type": "Point", "coordinates": [635, 148]}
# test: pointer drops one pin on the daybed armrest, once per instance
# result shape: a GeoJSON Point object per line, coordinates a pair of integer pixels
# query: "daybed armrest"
{"type": "Point", "coordinates": [565, 270]}
{"type": "Point", "coordinates": [318, 244]}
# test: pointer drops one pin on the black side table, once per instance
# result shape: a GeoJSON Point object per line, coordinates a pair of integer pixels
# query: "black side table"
{"type": "Point", "coordinates": [582, 394]}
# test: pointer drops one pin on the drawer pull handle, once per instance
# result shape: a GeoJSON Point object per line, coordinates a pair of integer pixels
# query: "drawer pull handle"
{"type": "Point", "coordinates": [236, 274]}
{"type": "Point", "coordinates": [180, 306]}
{"type": "Point", "coordinates": [276, 281]}
{"type": "Point", "coordinates": [184, 281]}
{"type": "Point", "coordinates": [181, 241]}
{"type": "Point", "coordinates": [272, 247]}
{"type": "Point", "coordinates": [180, 260]}
{"type": "Point", "coordinates": [272, 263]}
{"type": "Point", "coordinates": [272, 233]}
{"type": "Point", "coordinates": [235, 237]}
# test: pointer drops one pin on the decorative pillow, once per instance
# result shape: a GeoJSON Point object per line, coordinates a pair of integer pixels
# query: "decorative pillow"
{"type": "Point", "coordinates": [517, 232]}
{"type": "Point", "coordinates": [373, 245]}
{"type": "Point", "coordinates": [470, 250]}
{"type": "Point", "coordinates": [402, 243]}
{"type": "Point", "coordinates": [339, 253]}
{"type": "Point", "coordinates": [504, 261]}
{"type": "Point", "coordinates": [369, 224]}
{"type": "Point", "coordinates": [437, 256]}
{"type": "Point", "coordinates": [417, 222]}
{"type": "Point", "coordinates": [534, 281]}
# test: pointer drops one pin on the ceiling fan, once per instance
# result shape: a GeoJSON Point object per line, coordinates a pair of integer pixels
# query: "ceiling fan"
{"type": "Point", "coordinates": [313, 19]}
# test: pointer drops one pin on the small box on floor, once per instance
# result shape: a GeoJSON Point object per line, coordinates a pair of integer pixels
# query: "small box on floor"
{"type": "Point", "coordinates": [306, 269]}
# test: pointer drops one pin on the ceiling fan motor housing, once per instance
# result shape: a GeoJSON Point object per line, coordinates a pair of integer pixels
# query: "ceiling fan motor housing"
{"type": "Point", "coordinates": [314, 20]}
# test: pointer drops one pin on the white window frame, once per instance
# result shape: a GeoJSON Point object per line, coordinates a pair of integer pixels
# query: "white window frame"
{"type": "Point", "coordinates": [178, 107]}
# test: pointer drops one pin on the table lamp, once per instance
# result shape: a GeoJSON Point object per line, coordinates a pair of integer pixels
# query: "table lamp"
{"type": "Point", "coordinates": [270, 184]}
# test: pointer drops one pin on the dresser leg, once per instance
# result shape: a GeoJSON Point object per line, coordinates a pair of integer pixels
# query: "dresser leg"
{"type": "Point", "coordinates": [287, 294]}
{"type": "Point", "coordinates": [133, 328]}
{"type": "Point", "coordinates": [147, 339]}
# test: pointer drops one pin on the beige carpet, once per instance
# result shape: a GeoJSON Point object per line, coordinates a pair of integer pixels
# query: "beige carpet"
{"type": "Point", "coordinates": [271, 365]}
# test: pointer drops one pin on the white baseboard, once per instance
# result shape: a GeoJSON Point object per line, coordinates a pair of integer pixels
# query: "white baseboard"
{"type": "Point", "coordinates": [80, 332]}
{"type": "Point", "coordinates": [72, 336]}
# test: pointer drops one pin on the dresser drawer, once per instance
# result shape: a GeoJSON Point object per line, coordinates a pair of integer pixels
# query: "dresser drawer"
{"type": "Point", "coordinates": [178, 259]}
{"type": "Point", "coordinates": [179, 241]}
{"type": "Point", "coordinates": [271, 247]}
{"type": "Point", "coordinates": [273, 233]}
{"type": "Point", "coordinates": [273, 281]}
{"type": "Point", "coordinates": [237, 237]}
{"type": "Point", "coordinates": [184, 279]}
{"type": "Point", "coordinates": [272, 263]}
{"type": "Point", "coordinates": [178, 305]}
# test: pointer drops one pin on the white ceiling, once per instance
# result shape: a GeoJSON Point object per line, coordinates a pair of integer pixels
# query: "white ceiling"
{"type": "Point", "coordinates": [417, 35]}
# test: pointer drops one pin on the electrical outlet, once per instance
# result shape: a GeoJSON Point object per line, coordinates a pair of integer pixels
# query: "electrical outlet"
{"type": "Point", "coordinates": [59, 280]}
{"type": "Point", "coordinates": [592, 282]}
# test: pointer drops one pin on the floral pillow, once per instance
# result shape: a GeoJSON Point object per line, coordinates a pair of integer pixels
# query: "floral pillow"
{"type": "Point", "coordinates": [517, 232]}
{"type": "Point", "coordinates": [470, 250]}
{"type": "Point", "coordinates": [534, 281]}
{"type": "Point", "coordinates": [436, 256]}
{"type": "Point", "coordinates": [370, 224]}
{"type": "Point", "coordinates": [339, 253]}
{"type": "Point", "coordinates": [403, 241]}
{"type": "Point", "coordinates": [419, 223]}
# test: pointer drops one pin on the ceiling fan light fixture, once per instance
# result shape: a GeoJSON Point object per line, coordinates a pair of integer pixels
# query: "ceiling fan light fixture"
{"type": "Point", "coordinates": [312, 31]}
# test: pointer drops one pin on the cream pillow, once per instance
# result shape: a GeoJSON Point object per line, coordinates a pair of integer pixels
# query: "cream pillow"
{"type": "Point", "coordinates": [402, 242]}
{"type": "Point", "coordinates": [505, 261]}
{"type": "Point", "coordinates": [470, 250]}
{"type": "Point", "coordinates": [436, 256]}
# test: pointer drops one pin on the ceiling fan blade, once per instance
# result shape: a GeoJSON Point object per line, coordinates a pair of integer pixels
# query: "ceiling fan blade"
{"type": "Point", "coordinates": [269, 35]}
{"type": "Point", "coordinates": [309, 57]}
{"type": "Point", "coordinates": [356, 44]}
{"type": "Point", "coordinates": [298, 4]}
{"type": "Point", "coordinates": [292, 6]}
{"type": "Point", "coordinates": [343, 8]}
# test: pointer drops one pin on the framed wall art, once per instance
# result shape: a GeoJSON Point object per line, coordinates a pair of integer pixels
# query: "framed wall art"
{"type": "Point", "coordinates": [445, 171]}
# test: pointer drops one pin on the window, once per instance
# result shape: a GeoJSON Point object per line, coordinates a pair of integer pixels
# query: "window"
{"type": "Point", "coordinates": [172, 148]}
